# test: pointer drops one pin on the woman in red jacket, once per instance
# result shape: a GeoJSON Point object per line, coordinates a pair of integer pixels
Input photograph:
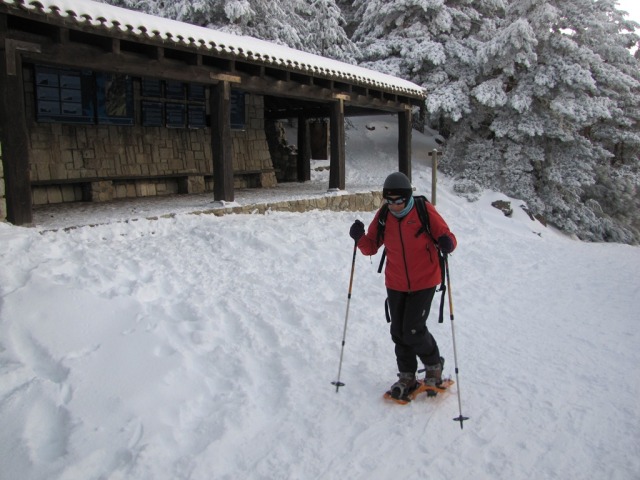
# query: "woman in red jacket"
{"type": "Point", "coordinates": [412, 274]}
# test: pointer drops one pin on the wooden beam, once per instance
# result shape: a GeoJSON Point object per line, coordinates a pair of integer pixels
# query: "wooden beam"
{"type": "Point", "coordinates": [12, 58]}
{"type": "Point", "coordinates": [304, 150]}
{"type": "Point", "coordinates": [337, 163]}
{"type": "Point", "coordinates": [61, 35]}
{"type": "Point", "coordinates": [404, 142]}
{"type": "Point", "coordinates": [221, 142]}
{"type": "Point", "coordinates": [158, 65]}
{"type": "Point", "coordinates": [225, 77]}
{"type": "Point", "coordinates": [14, 138]}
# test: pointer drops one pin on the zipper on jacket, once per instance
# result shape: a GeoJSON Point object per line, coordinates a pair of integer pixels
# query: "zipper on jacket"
{"type": "Point", "coordinates": [404, 255]}
{"type": "Point", "coordinates": [429, 251]}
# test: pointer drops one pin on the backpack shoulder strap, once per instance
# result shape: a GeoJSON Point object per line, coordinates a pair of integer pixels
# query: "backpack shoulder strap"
{"type": "Point", "coordinates": [423, 213]}
{"type": "Point", "coordinates": [382, 223]}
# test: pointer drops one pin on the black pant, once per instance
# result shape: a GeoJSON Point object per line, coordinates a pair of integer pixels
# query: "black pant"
{"type": "Point", "coordinates": [409, 312]}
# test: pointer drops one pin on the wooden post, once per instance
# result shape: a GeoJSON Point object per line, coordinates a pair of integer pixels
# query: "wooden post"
{"type": "Point", "coordinates": [434, 174]}
{"type": "Point", "coordinates": [337, 171]}
{"type": "Point", "coordinates": [304, 150]}
{"type": "Point", "coordinates": [221, 142]}
{"type": "Point", "coordinates": [14, 135]}
{"type": "Point", "coordinates": [404, 142]}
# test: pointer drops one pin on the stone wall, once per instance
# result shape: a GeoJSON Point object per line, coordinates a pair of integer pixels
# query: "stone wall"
{"type": "Point", "coordinates": [355, 202]}
{"type": "Point", "coordinates": [283, 155]}
{"type": "Point", "coordinates": [69, 153]}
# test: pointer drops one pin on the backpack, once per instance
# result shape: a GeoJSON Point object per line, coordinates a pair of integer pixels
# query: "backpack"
{"type": "Point", "coordinates": [423, 214]}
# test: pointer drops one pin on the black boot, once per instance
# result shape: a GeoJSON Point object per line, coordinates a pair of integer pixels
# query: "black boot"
{"type": "Point", "coordinates": [404, 386]}
{"type": "Point", "coordinates": [433, 375]}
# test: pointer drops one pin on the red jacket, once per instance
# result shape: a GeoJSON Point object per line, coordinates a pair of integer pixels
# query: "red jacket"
{"type": "Point", "coordinates": [412, 262]}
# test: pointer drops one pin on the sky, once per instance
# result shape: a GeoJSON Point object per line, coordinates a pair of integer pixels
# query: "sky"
{"type": "Point", "coordinates": [632, 7]}
{"type": "Point", "coordinates": [197, 347]}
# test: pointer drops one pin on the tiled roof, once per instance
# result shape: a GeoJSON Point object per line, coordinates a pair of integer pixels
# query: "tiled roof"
{"type": "Point", "coordinates": [100, 15]}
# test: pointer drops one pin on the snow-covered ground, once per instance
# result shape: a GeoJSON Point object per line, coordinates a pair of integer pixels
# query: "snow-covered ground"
{"type": "Point", "coordinates": [202, 347]}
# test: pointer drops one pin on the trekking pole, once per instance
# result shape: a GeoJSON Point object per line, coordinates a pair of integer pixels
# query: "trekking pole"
{"type": "Point", "coordinates": [453, 337]}
{"type": "Point", "coordinates": [338, 383]}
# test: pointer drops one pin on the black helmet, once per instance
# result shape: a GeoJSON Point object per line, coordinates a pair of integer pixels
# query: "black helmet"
{"type": "Point", "coordinates": [397, 184]}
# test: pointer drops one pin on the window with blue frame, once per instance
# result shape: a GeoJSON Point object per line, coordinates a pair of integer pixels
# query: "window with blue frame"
{"type": "Point", "coordinates": [82, 96]}
{"type": "Point", "coordinates": [114, 95]}
{"type": "Point", "coordinates": [173, 104]}
{"type": "Point", "coordinates": [238, 110]}
{"type": "Point", "coordinates": [64, 95]}
{"type": "Point", "coordinates": [196, 111]}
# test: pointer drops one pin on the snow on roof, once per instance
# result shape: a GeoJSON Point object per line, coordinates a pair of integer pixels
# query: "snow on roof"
{"type": "Point", "coordinates": [141, 24]}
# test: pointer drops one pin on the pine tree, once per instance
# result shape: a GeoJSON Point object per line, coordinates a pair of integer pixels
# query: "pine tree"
{"type": "Point", "coordinates": [327, 36]}
{"type": "Point", "coordinates": [429, 42]}
{"type": "Point", "coordinates": [555, 96]}
{"type": "Point", "coordinates": [614, 197]}
{"type": "Point", "coordinates": [313, 26]}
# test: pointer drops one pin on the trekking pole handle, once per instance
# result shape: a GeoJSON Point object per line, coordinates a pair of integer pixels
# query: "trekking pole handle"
{"type": "Point", "coordinates": [353, 265]}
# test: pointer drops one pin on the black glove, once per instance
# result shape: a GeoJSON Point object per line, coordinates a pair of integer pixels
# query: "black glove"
{"type": "Point", "coordinates": [445, 244]}
{"type": "Point", "coordinates": [357, 230]}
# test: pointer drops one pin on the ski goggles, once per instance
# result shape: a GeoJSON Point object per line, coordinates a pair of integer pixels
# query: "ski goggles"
{"type": "Point", "coordinates": [395, 201]}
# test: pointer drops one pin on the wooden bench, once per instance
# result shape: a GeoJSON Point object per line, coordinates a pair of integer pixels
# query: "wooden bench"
{"type": "Point", "coordinates": [101, 189]}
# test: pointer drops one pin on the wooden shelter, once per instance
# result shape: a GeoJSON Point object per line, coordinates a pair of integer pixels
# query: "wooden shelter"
{"type": "Point", "coordinates": [98, 102]}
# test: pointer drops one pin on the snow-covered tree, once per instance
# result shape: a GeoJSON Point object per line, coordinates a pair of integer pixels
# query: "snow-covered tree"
{"type": "Point", "coordinates": [610, 35]}
{"type": "Point", "coordinates": [326, 34]}
{"type": "Point", "coordinates": [555, 99]}
{"type": "Point", "coordinates": [431, 42]}
{"type": "Point", "coordinates": [314, 26]}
